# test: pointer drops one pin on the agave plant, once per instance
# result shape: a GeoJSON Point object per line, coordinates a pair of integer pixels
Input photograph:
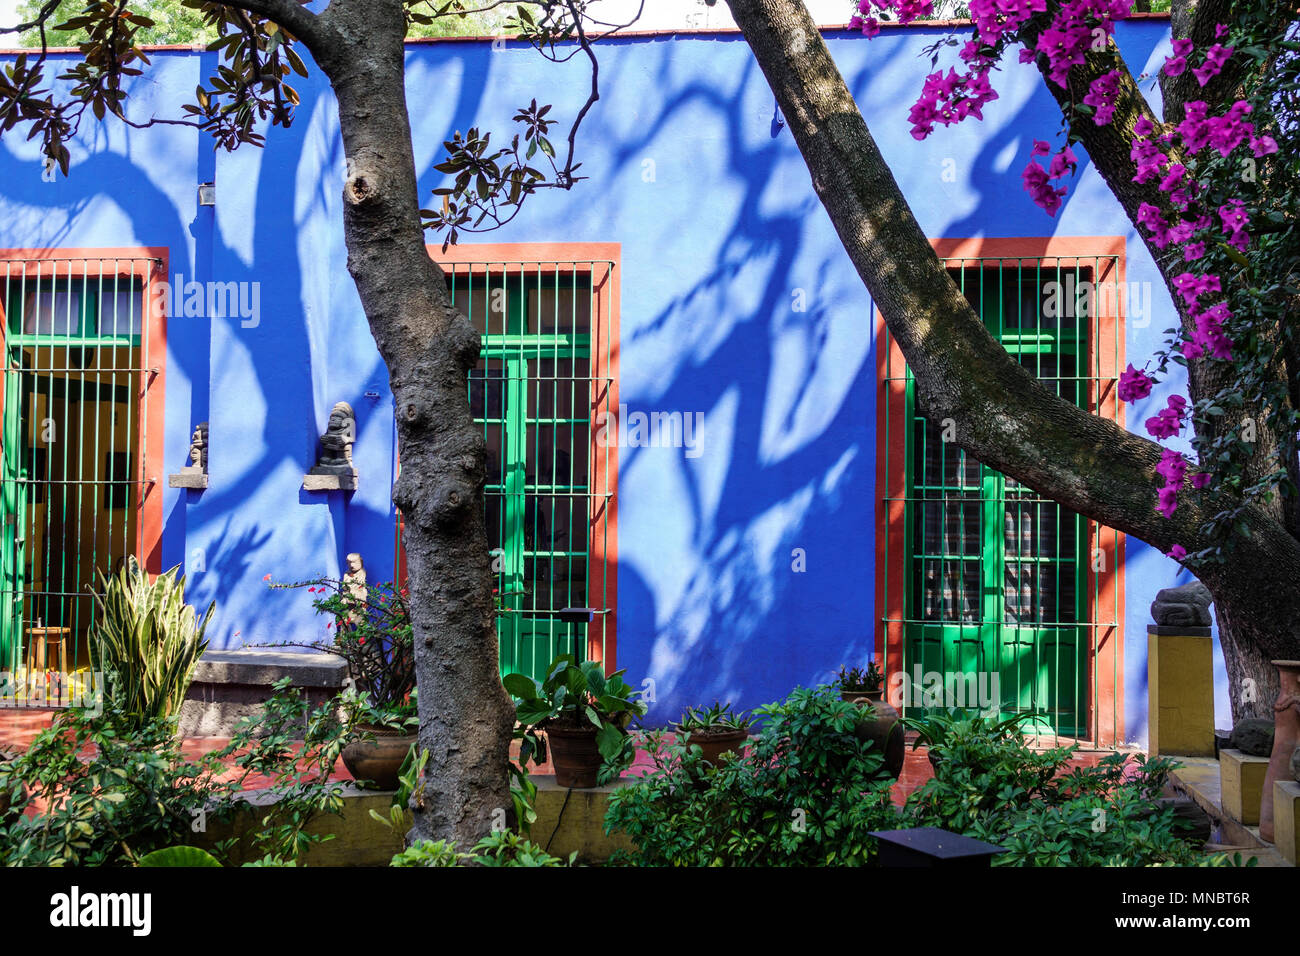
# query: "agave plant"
{"type": "Point", "coordinates": [147, 639]}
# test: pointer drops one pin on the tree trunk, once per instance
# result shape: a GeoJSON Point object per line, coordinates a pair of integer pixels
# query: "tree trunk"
{"type": "Point", "coordinates": [1002, 415]}
{"type": "Point", "coordinates": [466, 716]}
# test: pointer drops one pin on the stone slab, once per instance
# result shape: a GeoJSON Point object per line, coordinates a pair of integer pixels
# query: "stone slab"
{"type": "Point", "coordinates": [249, 666]}
{"type": "Point", "coordinates": [183, 480]}
{"type": "Point", "coordinates": [231, 685]}
{"type": "Point", "coordinates": [1286, 819]}
{"type": "Point", "coordinates": [1241, 779]}
{"type": "Point", "coordinates": [1180, 694]}
{"type": "Point", "coordinates": [329, 483]}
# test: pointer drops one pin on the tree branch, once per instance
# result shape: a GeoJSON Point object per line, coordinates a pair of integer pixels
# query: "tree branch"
{"type": "Point", "coordinates": [1003, 415]}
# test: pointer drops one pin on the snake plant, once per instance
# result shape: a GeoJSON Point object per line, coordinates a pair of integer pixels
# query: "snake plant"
{"type": "Point", "coordinates": [147, 640]}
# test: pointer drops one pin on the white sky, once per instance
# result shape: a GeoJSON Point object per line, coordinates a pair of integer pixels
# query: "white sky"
{"type": "Point", "coordinates": [658, 14]}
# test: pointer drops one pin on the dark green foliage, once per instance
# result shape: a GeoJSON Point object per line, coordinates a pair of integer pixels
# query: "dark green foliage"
{"type": "Point", "coordinates": [141, 794]}
{"type": "Point", "coordinates": [806, 792]}
{"type": "Point", "coordinates": [990, 785]}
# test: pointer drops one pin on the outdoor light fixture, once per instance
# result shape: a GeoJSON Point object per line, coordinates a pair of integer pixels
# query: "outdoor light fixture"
{"type": "Point", "coordinates": [207, 194]}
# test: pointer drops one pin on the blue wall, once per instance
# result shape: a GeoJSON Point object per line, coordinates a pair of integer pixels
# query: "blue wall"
{"type": "Point", "coordinates": [720, 230]}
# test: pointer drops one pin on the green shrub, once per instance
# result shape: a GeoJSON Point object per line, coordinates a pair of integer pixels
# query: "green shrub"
{"type": "Point", "coordinates": [147, 641]}
{"type": "Point", "coordinates": [805, 792]}
{"type": "Point", "coordinates": [140, 794]}
{"type": "Point", "coordinates": [989, 784]}
{"type": "Point", "coordinates": [500, 848]}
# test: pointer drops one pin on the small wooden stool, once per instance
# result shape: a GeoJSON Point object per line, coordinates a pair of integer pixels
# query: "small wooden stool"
{"type": "Point", "coordinates": [42, 640]}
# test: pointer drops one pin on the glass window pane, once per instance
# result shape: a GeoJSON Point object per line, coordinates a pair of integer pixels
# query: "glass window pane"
{"type": "Point", "coordinates": [48, 312]}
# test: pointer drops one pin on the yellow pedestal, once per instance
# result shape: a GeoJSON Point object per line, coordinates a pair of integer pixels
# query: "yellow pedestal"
{"type": "Point", "coordinates": [1286, 819]}
{"type": "Point", "coordinates": [1180, 692]}
{"type": "Point", "coordinates": [1241, 782]}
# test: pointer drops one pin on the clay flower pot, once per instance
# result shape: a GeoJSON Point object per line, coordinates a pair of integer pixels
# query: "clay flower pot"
{"type": "Point", "coordinates": [376, 762]}
{"type": "Point", "coordinates": [574, 756]}
{"type": "Point", "coordinates": [1286, 735]}
{"type": "Point", "coordinates": [881, 727]}
{"type": "Point", "coordinates": [715, 743]}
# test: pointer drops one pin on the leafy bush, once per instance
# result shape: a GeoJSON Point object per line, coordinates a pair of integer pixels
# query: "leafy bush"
{"type": "Point", "coordinates": [990, 785]}
{"type": "Point", "coordinates": [139, 793]}
{"type": "Point", "coordinates": [500, 848]}
{"type": "Point", "coordinates": [373, 633]}
{"type": "Point", "coordinates": [577, 694]}
{"type": "Point", "coordinates": [806, 792]}
{"type": "Point", "coordinates": [147, 640]}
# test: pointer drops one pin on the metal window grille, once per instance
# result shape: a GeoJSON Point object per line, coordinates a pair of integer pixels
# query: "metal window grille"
{"type": "Point", "coordinates": [540, 388]}
{"type": "Point", "coordinates": [1006, 596]}
{"type": "Point", "coordinates": [76, 359]}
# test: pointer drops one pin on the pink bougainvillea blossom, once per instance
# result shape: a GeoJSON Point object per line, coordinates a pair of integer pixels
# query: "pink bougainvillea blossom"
{"type": "Point", "coordinates": [1170, 419]}
{"type": "Point", "coordinates": [1102, 93]}
{"type": "Point", "coordinates": [1176, 64]}
{"type": "Point", "coordinates": [1167, 501]}
{"type": "Point", "coordinates": [1215, 58]}
{"type": "Point", "coordinates": [1178, 552]}
{"type": "Point", "coordinates": [1172, 467]}
{"type": "Point", "coordinates": [1134, 384]}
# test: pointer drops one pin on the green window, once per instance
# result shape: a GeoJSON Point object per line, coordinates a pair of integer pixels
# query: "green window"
{"type": "Point", "coordinates": [71, 443]}
{"type": "Point", "coordinates": [532, 395]}
{"type": "Point", "coordinates": [996, 574]}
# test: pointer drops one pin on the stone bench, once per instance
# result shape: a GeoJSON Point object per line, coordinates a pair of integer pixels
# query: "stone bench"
{"type": "Point", "coordinates": [231, 685]}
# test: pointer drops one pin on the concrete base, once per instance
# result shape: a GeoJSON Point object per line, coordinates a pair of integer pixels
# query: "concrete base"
{"type": "Point", "coordinates": [1286, 819]}
{"type": "Point", "coordinates": [188, 479]}
{"type": "Point", "coordinates": [1242, 785]}
{"type": "Point", "coordinates": [569, 820]}
{"type": "Point", "coordinates": [1180, 692]}
{"type": "Point", "coordinates": [231, 685]}
{"type": "Point", "coordinates": [358, 838]}
{"type": "Point", "coordinates": [329, 482]}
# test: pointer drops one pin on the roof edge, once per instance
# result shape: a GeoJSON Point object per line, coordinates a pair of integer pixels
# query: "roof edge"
{"type": "Point", "coordinates": [636, 34]}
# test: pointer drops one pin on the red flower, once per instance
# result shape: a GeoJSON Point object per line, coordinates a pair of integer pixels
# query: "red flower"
{"type": "Point", "coordinates": [361, 640]}
{"type": "Point", "coordinates": [266, 577]}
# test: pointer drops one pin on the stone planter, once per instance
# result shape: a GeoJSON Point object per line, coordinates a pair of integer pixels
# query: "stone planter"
{"type": "Point", "coordinates": [1286, 735]}
{"type": "Point", "coordinates": [716, 743]}
{"type": "Point", "coordinates": [574, 755]}
{"type": "Point", "coordinates": [881, 727]}
{"type": "Point", "coordinates": [375, 763]}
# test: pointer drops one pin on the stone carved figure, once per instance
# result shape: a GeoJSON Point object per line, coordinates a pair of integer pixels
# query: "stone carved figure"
{"type": "Point", "coordinates": [195, 474]}
{"type": "Point", "coordinates": [199, 449]}
{"type": "Point", "coordinates": [1185, 606]}
{"type": "Point", "coordinates": [336, 443]}
{"type": "Point", "coordinates": [354, 584]}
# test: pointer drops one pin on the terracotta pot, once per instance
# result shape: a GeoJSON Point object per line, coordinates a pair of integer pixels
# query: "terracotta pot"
{"type": "Point", "coordinates": [715, 744]}
{"type": "Point", "coordinates": [375, 763]}
{"type": "Point", "coordinates": [881, 728]}
{"type": "Point", "coordinates": [1286, 735]}
{"type": "Point", "coordinates": [574, 756]}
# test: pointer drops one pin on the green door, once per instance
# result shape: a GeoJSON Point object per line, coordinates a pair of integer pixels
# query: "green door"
{"type": "Point", "coordinates": [531, 395]}
{"type": "Point", "coordinates": [13, 523]}
{"type": "Point", "coordinates": [995, 572]}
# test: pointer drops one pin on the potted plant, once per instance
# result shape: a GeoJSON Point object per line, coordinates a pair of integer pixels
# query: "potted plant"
{"type": "Point", "coordinates": [584, 716]}
{"type": "Point", "coordinates": [372, 632]}
{"type": "Point", "coordinates": [861, 683]}
{"type": "Point", "coordinates": [865, 687]}
{"type": "Point", "coordinates": [716, 730]}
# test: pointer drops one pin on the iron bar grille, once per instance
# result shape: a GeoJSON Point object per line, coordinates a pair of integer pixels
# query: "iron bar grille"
{"type": "Point", "coordinates": [539, 392]}
{"type": "Point", "coordinates": [76, 361]}
{"type": "Point", "coordinates": [1009, 600]}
